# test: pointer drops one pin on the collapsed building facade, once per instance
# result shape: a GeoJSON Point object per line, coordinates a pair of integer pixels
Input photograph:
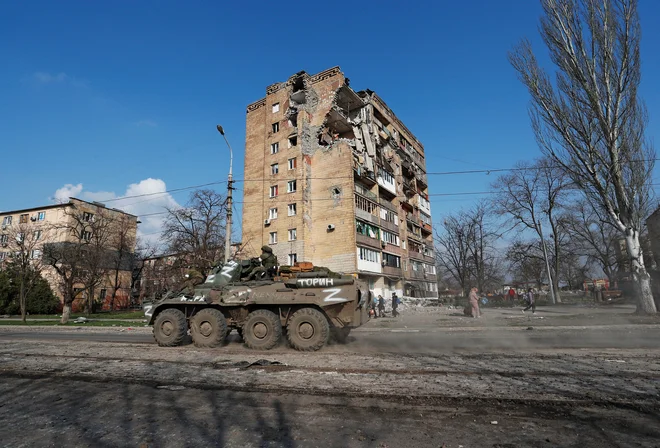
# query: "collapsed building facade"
{"type": "Point", "coordinates": [333, 177]}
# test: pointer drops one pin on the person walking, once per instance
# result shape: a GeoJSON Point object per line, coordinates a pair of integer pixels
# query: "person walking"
{"type": "Point", "coordinates": [381, 306]}
{"type": "Point", "coordinates": [474, 303]}
{"type": "Point", "coordinates": [373, 305]}
{"type": "Point", "coordinates": [530, 301]}
{"type": "Point", "coordinates": [395, 305]}
{"type": "Point", "coordinates": [512, 295]}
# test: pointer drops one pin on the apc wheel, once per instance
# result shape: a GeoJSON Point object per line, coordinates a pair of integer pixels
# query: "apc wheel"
{"type": "Point", "coordinates": [308, 330]}
{"type": "Point", "coordinates": [208, 328]}
{"type": "Point", "coordinates": [262, 330]}
{"type": "Point", "coordinates": [170, 328]}
{"type": "Point", "coordinates": [340, 335]}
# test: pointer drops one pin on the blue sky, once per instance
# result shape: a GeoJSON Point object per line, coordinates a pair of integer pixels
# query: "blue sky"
{"type": "Point", "coordinates": [123, 97]}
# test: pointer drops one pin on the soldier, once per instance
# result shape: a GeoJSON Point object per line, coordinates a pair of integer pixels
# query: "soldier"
{"type": "Point", "coordinates": [268, 260]}
{"type": "Point", "coordinates": [193, 278]}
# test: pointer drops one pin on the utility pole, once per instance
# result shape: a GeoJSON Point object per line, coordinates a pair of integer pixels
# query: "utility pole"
{"type": "Point", "coordinates": [547, 263]}
{"type": "Point", "coordinates": [229, 197]}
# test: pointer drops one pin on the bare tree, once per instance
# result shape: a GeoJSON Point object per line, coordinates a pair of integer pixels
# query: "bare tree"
{"type": "Point", "coordinates": [25, 244]}
{"type": "Point", "coordinates": [526, 262]}
{"type": "Point", "coordinates": [197, 230]}
{"type": "Point", "coordinates": [465, 248]}
{"type": "Point", "coordinates": [590, 121]}
{"type": "Point", "coordinates": [122, 244]}
{"type": "Point", "coordinates": [594, 237]}
{"type": "Point", "coordinates": [532, 194]}
{"type": "Point", "coordinates": [144, 250]}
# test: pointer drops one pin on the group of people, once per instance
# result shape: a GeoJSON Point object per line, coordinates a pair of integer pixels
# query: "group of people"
{"type": "Point", "coordinates": [378, 306]}
{"type": "Point", "coordinates": [473, 302]}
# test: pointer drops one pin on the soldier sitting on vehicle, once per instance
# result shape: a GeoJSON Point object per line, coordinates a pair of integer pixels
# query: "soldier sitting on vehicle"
{"type": "Point", "coordinates": [193, 278]}
{"type": "Point", "coordinates": [268, 261]}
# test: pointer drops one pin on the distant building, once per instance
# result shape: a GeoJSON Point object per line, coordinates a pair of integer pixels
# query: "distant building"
{"type": "Point", "coordinates": [48, 225]}
{"type": "Point", "coordinates": [334, 178]}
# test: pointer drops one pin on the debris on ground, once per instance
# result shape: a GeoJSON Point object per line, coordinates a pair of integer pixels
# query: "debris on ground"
{"type": "Point", "coordinates": [171, 387]}
{"type": "Point", "coordinates": [80, 320]}
{"type": "Point", "coordinates": [258, 363]}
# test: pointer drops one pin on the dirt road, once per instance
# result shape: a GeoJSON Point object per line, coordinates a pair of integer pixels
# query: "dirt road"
{"type": "Point", "coordinates": [385, 388]}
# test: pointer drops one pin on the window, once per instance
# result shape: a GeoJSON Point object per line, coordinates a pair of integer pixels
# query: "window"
{"type": "Point", "coordinates": [366, 205]}
{"type": "Point", "coordinates": [86, 235]}
{"type": "Point", "coordinates": [291, 186]}
{"type": "Point", "coordinates": [276, 127]}
{"type": "Point", "coordinates": [41, 216]}
{"type": "Point", "coordinates": [364, 228]}
{"type": "Point", "coordinates": [368, 255]}
{"type": "Point", "coordinates": [273, 238]}
{"type": "Point", "coordinates": [35, 254]}
{"type": "Point", "coordinates": [274, 168]}
{"type": "Point", "coordinates": [103, 293]}
{"type": "Point", "coordinates": [3, 255]}
{"type": "Point", "coordinates": [292, 164]}
{"type": "Point", "coordinates": [405, 264]}
{"type": "Point", "coordinates": [37, 235]}
{"type": "Point", "coordinates": [272, 213]}
{"type": "Point", "coordinates": [426, 219]}
{"type": "Point", "coordinates": [20, 237]}
{"type": "Point", "coordinates": [391, 260]}
{"type": "Point", "coordinates": [387, 176]}
{"type": "Point", "coordinates": [273, 191]}
{"type": "Point", "coordinates": [23, 219]}
{"type": "Point", "coordinates": [274, 148]}
{"type": "Point", "coordinates": [389, 216]}
{"type": "Point", "coordinates": [390, 237]}
{"type": "Point", "coordinates": [403, 244]}
{"type": "Point", "coordinates": [276, 107]}
{"type": "Point", "coordinates": [292, 209]}
{"type": "Point", "coordinates": [293, 141]}
{"type": "Point", "coordinates": [293, 259]}
{"type": "Point", "coordinates": [429, 268]}
{"type": "Point", "coordinates": [292, 235]}
{"type": "Point", "coordinates": [6, 221]}
{"type": "Point", "coordinates": [4, 238]}
{"type": "Point", "coordinates": [87, 217]}
{"type": "Point", "coordinates": [416, 266]}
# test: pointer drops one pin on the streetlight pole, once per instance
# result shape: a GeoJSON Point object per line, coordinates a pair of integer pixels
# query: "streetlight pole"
{"type": "Point", "coordinates": [547, 264]}
{"type": "Point", "coordinates": [229, 198]}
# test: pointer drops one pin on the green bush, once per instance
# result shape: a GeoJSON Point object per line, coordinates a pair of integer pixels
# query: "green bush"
{"type": "Point", "coordinates": [40, 298]}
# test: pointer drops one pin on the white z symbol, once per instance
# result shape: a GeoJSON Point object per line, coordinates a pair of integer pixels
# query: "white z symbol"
{"type": "Point", "coordinates": [331, 297]}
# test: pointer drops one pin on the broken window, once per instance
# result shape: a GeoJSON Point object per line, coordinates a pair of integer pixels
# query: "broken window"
{"type": "Point", "coordinates": [292, 235]}
{"type": "Point", "coordinates": [276, 127]}
{"type": "Point", "coordinates": [274, 168]}
{"type": "Point", "coordinates": [293, 141]}
{"type": "Point", "coordinates": [292, 163]}
{"type": "Point", "coordinates": [274, 148]}
{"type": "Point", "coordinates": [391, 260]}
{"type": "Point", "coordinates": [273, 238]}
{"type": "Point", "coordinates": [276, 107]}
{"type": "Point", "coordinates": [292, 209]}
{"type": "Point", "coordinates": [273, 191]}
{"type": "Point", "coordinates": [272, 213]}
{"type": "Point", "coordinates": [23, 219]}
{"type": "Point", "coordinates": [366, 229]}
{"type": "Point", "coordinates": [291, 186]}
{"type": "Point", "coordinates": [366, 205]}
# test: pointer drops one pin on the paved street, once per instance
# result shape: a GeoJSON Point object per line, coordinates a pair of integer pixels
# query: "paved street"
{"type": "Point", "coordinates": [428, 378]}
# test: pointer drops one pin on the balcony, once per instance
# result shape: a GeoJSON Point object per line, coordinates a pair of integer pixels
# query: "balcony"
{"type": "Point", "coordinates": [366, 216]}
{"type": "Point", "coordinates": [389, 270]}
{"type": "Point", "coordinates": [361, 174]}
{"type": "Point", "coordinates": [416, 255]}
{"type": "Point", "coordinates": [389, 226]}
{"type": "Point", "coordinates": [364, 240]}
{"type": "Point", "coordinates": [417, 275]}
{"type": "Point", "coordinates": [413, 219]}
{"type": "Point", "coordinates": [428, 259]}
{"type": "Point", "coordinates": [387, 204]}
{"type": "Point", "coordinates": [426, 228]}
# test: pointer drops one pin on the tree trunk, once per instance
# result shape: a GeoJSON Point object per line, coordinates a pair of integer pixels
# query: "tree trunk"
{"type": "Point", "coordinates": [555, 285]}
{"type": "Point", "coordinates": [23, 301]}
{"type": "Point", "coordinates": [90, 301]}
{"type": "Point", "coordinates": [641, 278]}
{"type": "Point", "coordinates": [66, 312]}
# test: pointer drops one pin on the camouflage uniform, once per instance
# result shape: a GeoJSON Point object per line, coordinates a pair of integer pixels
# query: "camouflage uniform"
{"type": "Point", "coordinates": [268, 260]}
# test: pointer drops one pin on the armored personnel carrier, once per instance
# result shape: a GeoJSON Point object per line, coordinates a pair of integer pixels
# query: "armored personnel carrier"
{"type": "Point", "coordinates": [308, 308]}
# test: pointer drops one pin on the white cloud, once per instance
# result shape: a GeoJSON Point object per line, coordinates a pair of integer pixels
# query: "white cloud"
{"type": "Point", "coordinates": [45, 78]}
{"type": "Point", "coordinates": [67, 191]}
{"type": "Point", "coordinates": [151, 198]}
{"type": "Point", "coordinates": [146, 124]}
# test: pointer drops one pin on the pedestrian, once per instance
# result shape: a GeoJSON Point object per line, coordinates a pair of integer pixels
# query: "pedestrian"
{"type": "Point", "coordinates": [512, 295]}
{"type": "Point", "coordinates": [374, 304]}
{"type": "Point", "coordinates": [395, 305]}
{"type": "Point", "coordinates": [474, 303]}
{"type": "Point", "coordinates": [381, 306]}
{"type": "Point", "coordinates": [530, 301]}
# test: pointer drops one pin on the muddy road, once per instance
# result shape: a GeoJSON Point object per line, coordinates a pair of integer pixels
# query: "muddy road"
{"type": "Point", "coordinates": [396, 383]}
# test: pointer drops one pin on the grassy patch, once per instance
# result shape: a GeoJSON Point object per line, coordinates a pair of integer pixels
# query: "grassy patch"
{"type": "Point", "coordinates": [53, 323]}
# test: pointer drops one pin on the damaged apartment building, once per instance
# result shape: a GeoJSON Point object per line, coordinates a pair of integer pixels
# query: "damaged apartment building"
{"type": "Point", "coordinates": [333, 177]}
